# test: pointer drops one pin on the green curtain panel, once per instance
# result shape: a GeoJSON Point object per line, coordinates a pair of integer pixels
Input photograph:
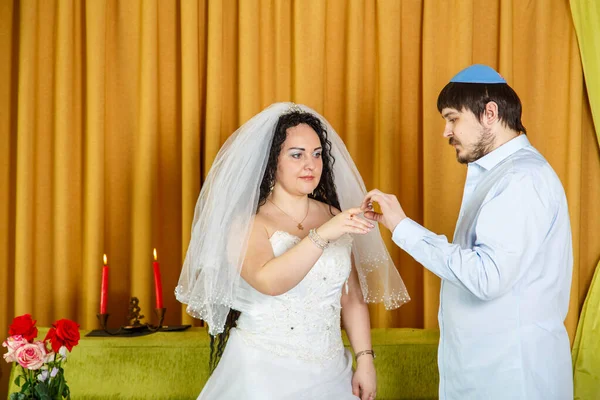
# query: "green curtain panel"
{"type": "Point", "coordinates": [586, 348]}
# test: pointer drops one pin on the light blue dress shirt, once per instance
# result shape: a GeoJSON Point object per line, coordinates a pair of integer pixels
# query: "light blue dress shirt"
{"type": "Point", "coordinates": [506, 280]}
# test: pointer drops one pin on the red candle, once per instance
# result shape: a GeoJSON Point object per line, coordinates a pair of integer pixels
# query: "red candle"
{"type": "Point", "coordinates": [104, 288]}
{"type": "Point", "coordinates": [157, 282]}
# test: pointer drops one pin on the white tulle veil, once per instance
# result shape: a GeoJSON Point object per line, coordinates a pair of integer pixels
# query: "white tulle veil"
{"type": "Point", "coordinates": [225, 212]}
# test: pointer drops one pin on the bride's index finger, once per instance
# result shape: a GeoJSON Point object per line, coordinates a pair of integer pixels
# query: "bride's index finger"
{"type": "Point", "coordinates": [355, 211]}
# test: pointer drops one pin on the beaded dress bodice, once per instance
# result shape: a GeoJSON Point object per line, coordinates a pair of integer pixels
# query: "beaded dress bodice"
{"type": "Point", "coordinates": [305, 321]}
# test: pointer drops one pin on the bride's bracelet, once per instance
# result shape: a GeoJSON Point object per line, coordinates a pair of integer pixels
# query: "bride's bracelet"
{"type": "Point", "coordinates": [317, 240]}
{"type": "Point", "coordinates": [360, 353]}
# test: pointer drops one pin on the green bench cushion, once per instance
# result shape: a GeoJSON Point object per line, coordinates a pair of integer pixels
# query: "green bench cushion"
{"type": "Point", "coordinates": [174, 365]}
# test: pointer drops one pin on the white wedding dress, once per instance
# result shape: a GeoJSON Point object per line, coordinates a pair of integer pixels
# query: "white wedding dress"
{"type": "Point", "coordinates": [290, 346]}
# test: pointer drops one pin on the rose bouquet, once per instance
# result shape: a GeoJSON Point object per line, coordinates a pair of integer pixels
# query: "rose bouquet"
{"type": "Point", "coordinates": [40, 370]}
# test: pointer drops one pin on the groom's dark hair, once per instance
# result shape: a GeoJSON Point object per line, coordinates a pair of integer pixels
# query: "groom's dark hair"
{"type": "Point", "coordinates": [474, 97]}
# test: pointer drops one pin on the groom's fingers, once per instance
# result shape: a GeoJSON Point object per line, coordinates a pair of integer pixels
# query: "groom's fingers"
{"type": "Point", "coordinates": [381, 199]}
{"type": "Point", "coordinates": [373, 216]}
{"type": "Point", "coordinates": [368, 198]}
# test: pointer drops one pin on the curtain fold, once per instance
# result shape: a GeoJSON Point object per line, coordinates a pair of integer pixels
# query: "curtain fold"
{"type": "Point", "coordinates": [112, 113]}
{"type": "Point", "coordinates": [94, 106]}
{"type": "Point", "coordinates": [8, 86]}
{"type": "Point", "coordinates": [586, 20]}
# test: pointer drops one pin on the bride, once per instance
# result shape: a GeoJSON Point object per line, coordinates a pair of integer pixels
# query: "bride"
{"type": "Point", "coordinates": [275, 268]}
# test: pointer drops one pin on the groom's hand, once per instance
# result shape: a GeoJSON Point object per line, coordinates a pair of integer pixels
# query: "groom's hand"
{"type": "Point", "coordinates": [391, 210]}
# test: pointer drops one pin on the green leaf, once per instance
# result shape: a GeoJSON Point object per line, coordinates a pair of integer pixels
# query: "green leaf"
{"type": "Point", "coordinates": [41, 390]}
{"type": "Point", "coordinates": [63, 384]}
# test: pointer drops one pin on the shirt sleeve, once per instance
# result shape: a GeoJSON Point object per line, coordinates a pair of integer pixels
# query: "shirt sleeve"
{"type": "Point", "coordinates": [511, 226]}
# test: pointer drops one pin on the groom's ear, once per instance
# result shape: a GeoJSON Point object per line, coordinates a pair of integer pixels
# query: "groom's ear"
{"type": "Point", "coordinates": [490, 114]}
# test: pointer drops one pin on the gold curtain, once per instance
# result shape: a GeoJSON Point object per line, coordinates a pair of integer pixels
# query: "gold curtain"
{"type": "Point", "coordinates": [111, 113]}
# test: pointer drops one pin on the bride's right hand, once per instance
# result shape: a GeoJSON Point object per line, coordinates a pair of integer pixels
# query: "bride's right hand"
{"type": "Point", "coordinates": [347, 221]}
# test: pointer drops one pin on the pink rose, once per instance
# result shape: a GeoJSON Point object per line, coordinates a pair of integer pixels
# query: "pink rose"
{"type": "Point", "coordinates": [12, 344]}
{"type": "Point", "coordinates": [31, 355]}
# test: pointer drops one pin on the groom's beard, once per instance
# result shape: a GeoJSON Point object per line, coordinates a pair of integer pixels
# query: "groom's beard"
{"type": "Point", "coordinates": [477, 150]}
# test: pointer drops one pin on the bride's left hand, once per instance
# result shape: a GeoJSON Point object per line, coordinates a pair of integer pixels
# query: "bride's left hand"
{"type": "Point", "coordinates": [364, 380]}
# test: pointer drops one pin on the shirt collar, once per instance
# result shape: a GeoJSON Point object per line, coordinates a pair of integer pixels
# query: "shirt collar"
{"type": "Point", "coordinates": [494, 157]}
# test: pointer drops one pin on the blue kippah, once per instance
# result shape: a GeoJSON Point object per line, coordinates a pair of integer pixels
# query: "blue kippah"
{"type": "Point", "coordinates": [478, 73]}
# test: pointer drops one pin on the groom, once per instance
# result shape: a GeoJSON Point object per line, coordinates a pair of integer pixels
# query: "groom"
{"type": "Point", "coordinates": [506, 276]}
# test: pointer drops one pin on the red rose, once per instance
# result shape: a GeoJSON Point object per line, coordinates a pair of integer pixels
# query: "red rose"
{"type": "Point", "coordinates": [24, 326]}
{"type": "Point", "coordinates": [64, 332]}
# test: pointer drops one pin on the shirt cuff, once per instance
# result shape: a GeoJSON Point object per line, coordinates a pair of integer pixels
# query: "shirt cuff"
{"type": "Point", "coordinates": [408, 233]}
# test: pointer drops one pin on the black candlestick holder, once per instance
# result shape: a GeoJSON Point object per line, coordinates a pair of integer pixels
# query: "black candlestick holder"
{"type": "Point", "coordinates": [135, 324]}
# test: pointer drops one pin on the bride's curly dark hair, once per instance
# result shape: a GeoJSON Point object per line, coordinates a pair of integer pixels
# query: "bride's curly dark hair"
{"type": "Point", "coordinates": [325, 192]}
